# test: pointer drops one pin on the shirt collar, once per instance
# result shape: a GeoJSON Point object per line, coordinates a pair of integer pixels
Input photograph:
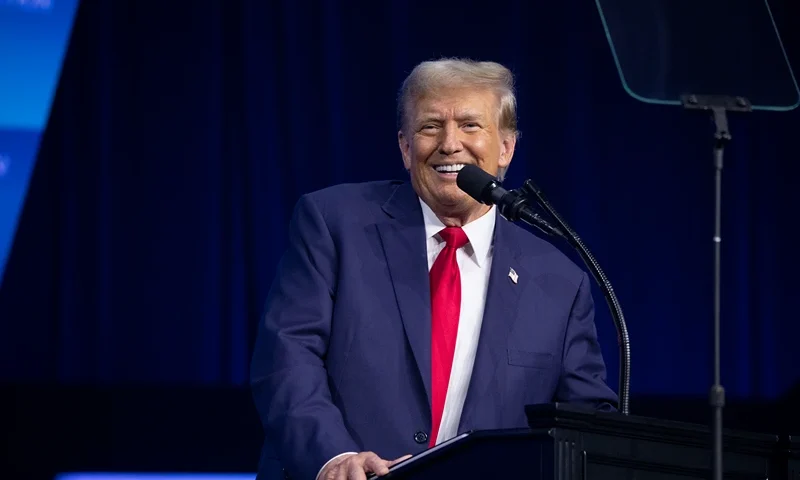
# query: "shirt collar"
{"type": "Point", "coordinates": [479, 231]}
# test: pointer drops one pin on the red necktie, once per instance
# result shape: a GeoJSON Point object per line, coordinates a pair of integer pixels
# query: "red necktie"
{"type": "Point", "coordinates": [445, 309]}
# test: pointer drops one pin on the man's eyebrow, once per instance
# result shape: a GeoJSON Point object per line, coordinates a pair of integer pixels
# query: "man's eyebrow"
{"type": "Point", "coordinates": [470, 116]}
{"type": "Point", "coordinates": [429, 117]}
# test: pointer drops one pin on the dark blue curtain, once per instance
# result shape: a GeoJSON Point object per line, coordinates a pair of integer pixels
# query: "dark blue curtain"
{"type": "Point", "coordinates": [182, 134]}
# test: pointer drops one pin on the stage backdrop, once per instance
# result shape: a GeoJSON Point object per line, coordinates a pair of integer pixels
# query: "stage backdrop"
{"type": "Point", "coordinates": [182, 135]}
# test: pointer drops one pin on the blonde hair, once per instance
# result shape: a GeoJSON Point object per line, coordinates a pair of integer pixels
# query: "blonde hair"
{"type": "Point", "coordinates": [433, 75]}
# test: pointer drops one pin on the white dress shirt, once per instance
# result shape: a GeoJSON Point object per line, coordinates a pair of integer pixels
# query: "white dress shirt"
{"type": "Point", "coordinates": [474, 263]}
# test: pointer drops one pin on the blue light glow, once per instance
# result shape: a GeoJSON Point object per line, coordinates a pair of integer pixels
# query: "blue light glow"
{"type": "Point", "coordinates": [154, 476]}
{"type": "Point", "coordinates": [33, 40]}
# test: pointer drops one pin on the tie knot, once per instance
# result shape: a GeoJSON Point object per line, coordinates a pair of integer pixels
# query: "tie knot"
{"type": "Point", "coordinates": [454, 237]}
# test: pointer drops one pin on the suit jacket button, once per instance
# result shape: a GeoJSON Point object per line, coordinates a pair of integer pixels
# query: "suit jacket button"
{"type": "Point", "coordinates": [420, 437]}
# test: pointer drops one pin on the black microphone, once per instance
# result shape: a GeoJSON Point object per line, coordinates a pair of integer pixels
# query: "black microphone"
{"type": "Point", "coordinates": [512, 204]}
{"type": "Point", "coordinates": [486, 189]}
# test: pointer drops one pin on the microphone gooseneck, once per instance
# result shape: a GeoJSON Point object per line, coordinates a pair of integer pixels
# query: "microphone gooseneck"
{"type": "Point", "coordinates": [513, 205]}
{"type": "Point", "coordinates": [608, 292]}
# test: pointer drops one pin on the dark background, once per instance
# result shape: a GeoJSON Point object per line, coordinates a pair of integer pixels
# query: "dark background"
{"type": "Point", "coordinates": [182, 133]}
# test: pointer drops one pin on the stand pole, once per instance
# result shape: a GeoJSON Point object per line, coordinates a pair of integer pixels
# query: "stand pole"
{"type": "Point", "coordinates": [719, 106]}
{"type": "Point", "coordinates": [717, 393]}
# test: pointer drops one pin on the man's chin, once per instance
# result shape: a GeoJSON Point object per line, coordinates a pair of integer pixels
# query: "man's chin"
{"type": "Point", "coordinates": [447, 198]}
{"type": "Point", "coordinates": [454, 203]}
{"type": "Point", "coordinates": [450, 196]}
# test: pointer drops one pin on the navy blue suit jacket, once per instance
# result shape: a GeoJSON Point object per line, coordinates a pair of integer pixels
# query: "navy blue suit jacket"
{"type": "Point", "coordinates": [342, 356]}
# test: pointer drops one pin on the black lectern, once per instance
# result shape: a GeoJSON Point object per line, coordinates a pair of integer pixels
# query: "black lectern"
{"type": "Point", "coordinates": [566, 442]}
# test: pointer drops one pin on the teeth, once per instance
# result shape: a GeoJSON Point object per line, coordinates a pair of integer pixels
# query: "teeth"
{"type": "Point", "coordinates": [449, 168]}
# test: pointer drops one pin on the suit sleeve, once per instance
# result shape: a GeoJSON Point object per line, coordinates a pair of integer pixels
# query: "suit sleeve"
{"type": "Point", "coordinates": [288, 375]}
{"type": "Point", "coordinates": [583, 378]}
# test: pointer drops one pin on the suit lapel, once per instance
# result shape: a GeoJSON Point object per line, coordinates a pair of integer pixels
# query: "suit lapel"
{"type": "Point", "coordinates": [403, 240]}
{"type": "Point", "coordinates": [500, 313]}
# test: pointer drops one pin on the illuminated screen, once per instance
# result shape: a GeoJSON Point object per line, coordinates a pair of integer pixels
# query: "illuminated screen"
{"type": "Point", "coordinates": [33, 39]}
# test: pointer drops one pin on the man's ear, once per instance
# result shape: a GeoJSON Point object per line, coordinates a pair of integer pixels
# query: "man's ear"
{"type": "Point", "coordinates": [507, 150]}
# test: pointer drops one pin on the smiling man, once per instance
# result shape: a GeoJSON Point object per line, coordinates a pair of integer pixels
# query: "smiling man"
{"type": "Point", "coordinates": [450, 118]}
{"type": "Point", "coordinates": [404, 313]}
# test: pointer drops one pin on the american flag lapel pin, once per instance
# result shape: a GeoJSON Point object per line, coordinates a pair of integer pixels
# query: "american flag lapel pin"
{"type": "Point", "coordinates": [513, 275]}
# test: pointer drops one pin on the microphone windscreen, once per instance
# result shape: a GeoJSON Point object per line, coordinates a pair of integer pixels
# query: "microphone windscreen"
{"type": "Point", "coordinates": [473, 181]}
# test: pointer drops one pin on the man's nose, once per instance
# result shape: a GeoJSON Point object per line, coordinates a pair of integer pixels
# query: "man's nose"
{"type": "Point", "coordinates": [451, 140]}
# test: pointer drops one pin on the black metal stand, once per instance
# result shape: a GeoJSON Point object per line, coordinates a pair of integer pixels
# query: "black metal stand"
{"type": "Point", "coordinates": [719, 106]}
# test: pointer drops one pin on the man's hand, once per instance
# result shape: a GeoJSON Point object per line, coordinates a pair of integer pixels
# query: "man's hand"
{"type": "Point", "coordinates": [357, 466]}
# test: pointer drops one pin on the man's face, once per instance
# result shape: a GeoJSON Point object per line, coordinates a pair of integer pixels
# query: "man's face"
{"type": "Point", "coordinates": [449, 129]}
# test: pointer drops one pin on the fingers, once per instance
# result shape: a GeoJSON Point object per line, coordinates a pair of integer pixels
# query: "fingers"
{"type": "Point", "coordinates": [332, 469]}
{"type": "Point", "coordinates": [342, 469]}
{"type": "Point", "coordinates": [398, 460]}
{"type": "Point", "coordinates": [355, 471]}
{"type": "Point", "coordinates": [356, 467]}
{"type": "Point", "coordinates": [375, 464]}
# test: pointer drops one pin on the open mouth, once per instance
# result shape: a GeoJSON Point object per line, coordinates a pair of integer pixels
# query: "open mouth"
{"type": "Point", "coordinates": [449, 171]}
